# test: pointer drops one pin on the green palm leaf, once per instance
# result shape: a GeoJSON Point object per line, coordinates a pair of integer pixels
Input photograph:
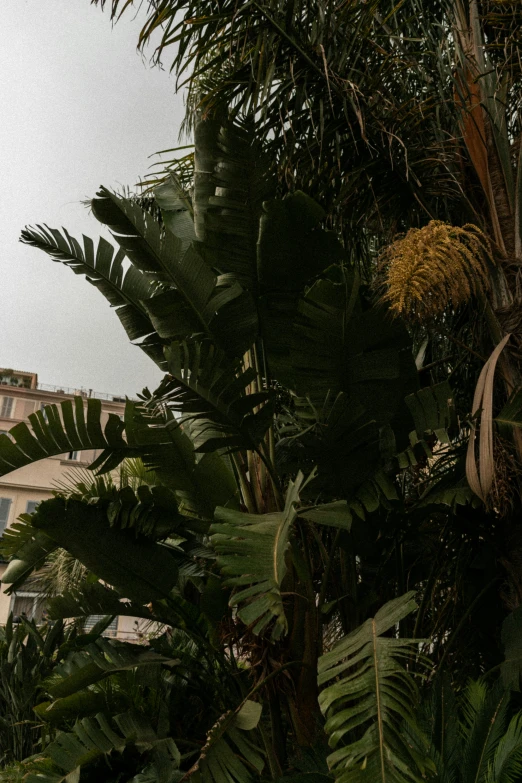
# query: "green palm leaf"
{"type": "Point", "coordinates": [485, 720]}
{"type": "Point", "coordinates": [211, 394]}
{"type": "Point", "coordinates": [75, 425]}
{"type": "Point", "coordinates": [92, 664]}
{"type": "Point", "coordinates": [95, 737]}
{"type": "Point", "coordinates": [94, 598]}
{"type": "Point", "coordinates": [506, 765]}
{"type": "Point", "coordinates": [229, 755]}
{"type": "Point", "coordinates": [176, 208]}
{"type": "Point", "coordinates": [369, 696]}
{"type": "Point", "coordinates": [231, 183]}
{"type": "Point", "coordinates": [123, 288]}
{"type": "Point", "coordinates": [194, 296]}
{"type": "Point", "coordinates": [251, 552]}
{"type": "Point", "coordinates": [136, 566]}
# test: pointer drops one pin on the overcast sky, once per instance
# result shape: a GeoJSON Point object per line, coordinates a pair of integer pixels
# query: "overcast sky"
{"type": "Point", "coordinates": [80, 108]}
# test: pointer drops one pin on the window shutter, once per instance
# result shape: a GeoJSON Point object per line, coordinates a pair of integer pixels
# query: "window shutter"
{"type": "Point", "coordinates": [7, 407]}
{"type": "Point", "coordinates": [5, 506]}
{"type": "Point", "coordinates": [91, 621]}
{"type": "Point", "coordinates": [28, 408]}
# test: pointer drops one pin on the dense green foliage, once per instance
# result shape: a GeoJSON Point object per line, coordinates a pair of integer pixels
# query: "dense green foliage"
{"type": "Point", "coordinates": [326, 542]}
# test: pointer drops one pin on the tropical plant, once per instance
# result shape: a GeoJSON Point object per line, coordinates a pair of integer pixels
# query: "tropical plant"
{"type": "Point", "coordinates": [308, 470]}
{"type": "Point", "coordinates": [28, 655]}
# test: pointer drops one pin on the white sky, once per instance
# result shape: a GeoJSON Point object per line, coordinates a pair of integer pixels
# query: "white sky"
{"type": "Point", "coordinates": [80, 108]}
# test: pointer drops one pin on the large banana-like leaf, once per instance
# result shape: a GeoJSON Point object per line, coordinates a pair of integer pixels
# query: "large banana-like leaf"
{"type": "Point", "coordinates": [94, 598]}
{"type": "Point", "coordinates": [251, 552]}
{"type": "Point", "coordinates": [433, 411]}
{"type": "Point", "coordinates": [123, 288]}
{"type": "Point", "coordinates": [368, 696]}
{"type": "Point", "coordinates": [232, 181]}
{"type": "Point", "coordinates": [94, 663]}
{"type": "Point", "coordinates": [200, 485]}
{"type": "Point", "coordinates": [74, 425]}
{"type": "Point", "coordinates": [339, 345]}
{"type": "Point", "coordinates": [342, 441]}
{"type": "Point", "coordinates": [176, 209]}
{"type": "Point", "coordinates": [292, 250]}
{"type": "Point", "coordinates": [351, 368]}
{"type": "Point", "coordinates": [200, 482]}
{"type": "Point", "coordinates": [136, 566]}
{"type": "Point", "coordinates": [211, 394]}
{"type": "Point", "coordinates": [193, 295]}
{"type": "Point", "coordinates": [229, 755]}
{"type": "Point", "coordinates": [27, 548]}
{"type": "Point", "coordinates": [97, 598]}
{"type": "Point", "coordinates": [94, 737]}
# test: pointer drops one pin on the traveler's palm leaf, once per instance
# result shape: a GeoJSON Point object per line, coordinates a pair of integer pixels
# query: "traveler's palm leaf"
{"type": "Point", "coordinates": [211, 394]}
{"type": "Point", "coordinates": [94, 737]}
{"type": "Point", "coordinates": [137, 567]}
{"type": "Point", "coordinates": [367, 697]}
{"type": "Point", "coordinates": [231, 183]}
{"type": "Point", "coordinates": [125, 289]}
{"type": "Point", "coordinates": [192, 295]}
{"type": "Point", "coordinates": [230, 755]}
{"type": "Point", "coordinates": [75, 425]}
{"type": "Point", "coordinates": [251, 550]}
{"type": "Point", "coordinates": [94, 663]}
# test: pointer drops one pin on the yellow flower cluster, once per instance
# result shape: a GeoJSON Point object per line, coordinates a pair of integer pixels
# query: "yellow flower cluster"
{"type": "Point", "coordinates": [431, 268]}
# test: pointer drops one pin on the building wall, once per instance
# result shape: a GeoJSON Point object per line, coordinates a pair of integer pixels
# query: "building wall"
{"type": "Point", "coordinates": [36, 482]}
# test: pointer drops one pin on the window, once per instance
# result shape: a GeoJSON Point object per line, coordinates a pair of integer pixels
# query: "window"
{"type": "Point", "coordinates": [30, 605]}
{"type": "Point", "coordinates": [7, 407]}
{"type": "Point", "coordinates": [31, 506]}
{"type": "Point", "coordinates": [91, 621]}
{"type": "Point", "coordinates": [5, 507]}
{"type": "Point", "coordinates": [43, 406]}
{"type": "Point", "coordinates": [74, 455]}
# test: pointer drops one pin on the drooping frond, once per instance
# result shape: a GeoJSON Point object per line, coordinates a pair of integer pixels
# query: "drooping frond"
{"type": "Point", "coordinates": [75, 425]}
{"type": "Point", "coordinates": [123, 288]}
{"type": "Point", "coordinates": [139, 568]}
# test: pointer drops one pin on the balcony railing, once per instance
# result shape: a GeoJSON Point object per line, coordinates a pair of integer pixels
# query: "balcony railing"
{"type": "Point", "coordinates": [80, 392]}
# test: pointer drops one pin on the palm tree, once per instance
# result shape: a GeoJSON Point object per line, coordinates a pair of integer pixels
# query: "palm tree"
{"type": "Point", "coordinates": [303, 480]}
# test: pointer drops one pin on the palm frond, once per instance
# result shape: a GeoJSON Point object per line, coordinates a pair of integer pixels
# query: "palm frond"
{"type": "Point", "coordinates": [251, 552]}
{"type": "Point", "coordinates": [123, 288]}
{"type": "Point", "coordinates": [231, 183]}
{"type": "Point", "coordinates": [371, 696]}
{"type": "Point", "coordinates": [485, 720]}
{"type": "Point", "coordinates": [94, 737]}
{"type": "Point", "coordinates": [139, 568]}
{"type": "Point", "coordinates": [506, 765]}
{"type": "Point", "coordinates": [211, 394]}
{"type": "Point", "coordinates": [229, 753]}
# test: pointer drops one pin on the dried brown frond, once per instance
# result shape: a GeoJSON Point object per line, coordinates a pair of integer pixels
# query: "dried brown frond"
{"type": "Point", "coordinates": [434, 267]}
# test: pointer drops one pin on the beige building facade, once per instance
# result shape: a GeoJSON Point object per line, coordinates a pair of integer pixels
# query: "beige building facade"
{"type": "Point", "coordinates": [21, 490]}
